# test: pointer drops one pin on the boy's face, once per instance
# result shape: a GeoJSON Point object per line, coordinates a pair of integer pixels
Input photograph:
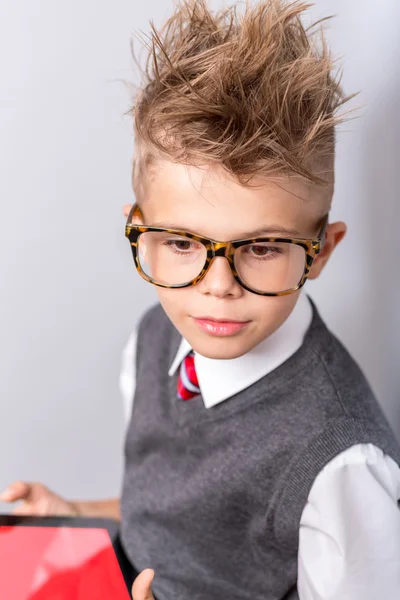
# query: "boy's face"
{"type": "Point", "coordinates": [213, 204]}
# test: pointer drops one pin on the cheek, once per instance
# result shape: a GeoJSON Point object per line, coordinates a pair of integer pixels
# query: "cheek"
{"type": "Point", "coordinates": [175, 302]}
{"type": "Point", "coordinates": [269, 312]}
{"type": "Point", "coordinates": [179, 305]}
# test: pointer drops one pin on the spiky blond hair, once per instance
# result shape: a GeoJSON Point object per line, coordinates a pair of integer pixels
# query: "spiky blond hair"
{"type": "Point", "coordinates": [253, 92]}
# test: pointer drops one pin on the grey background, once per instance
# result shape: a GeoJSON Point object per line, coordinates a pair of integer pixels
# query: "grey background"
{"type": "Point", "coordinates": [69, 292]}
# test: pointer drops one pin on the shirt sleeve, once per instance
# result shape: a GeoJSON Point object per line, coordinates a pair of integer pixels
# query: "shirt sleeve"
{"type": "Point", "coordinates": [127, 377]}
{"type": "Point", "coordinates": [349, 537]}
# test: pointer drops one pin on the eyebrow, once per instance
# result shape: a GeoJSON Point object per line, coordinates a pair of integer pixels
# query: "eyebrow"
{"type": "Point", "coordinates": [272, 229]}
{"type": "Point", "coordinates": [264, 231]}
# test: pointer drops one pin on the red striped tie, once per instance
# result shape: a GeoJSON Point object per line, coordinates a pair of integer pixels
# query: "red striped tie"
{"type": "Point", "coordinates": [188, 385]}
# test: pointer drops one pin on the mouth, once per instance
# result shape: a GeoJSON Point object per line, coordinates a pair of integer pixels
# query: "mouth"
{"type": "Point", "coordinates": [220, 327]}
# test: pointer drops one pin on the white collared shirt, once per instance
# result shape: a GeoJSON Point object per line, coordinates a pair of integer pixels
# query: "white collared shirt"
{"type": "Point", "coordinates": [349, 536]}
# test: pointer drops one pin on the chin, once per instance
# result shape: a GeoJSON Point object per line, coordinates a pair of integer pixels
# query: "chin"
{"type": "Point", "coordinates": [226, 348]}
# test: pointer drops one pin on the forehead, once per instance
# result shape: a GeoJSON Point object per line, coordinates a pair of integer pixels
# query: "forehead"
{"type": "Point", "coordinates": [210, 201]}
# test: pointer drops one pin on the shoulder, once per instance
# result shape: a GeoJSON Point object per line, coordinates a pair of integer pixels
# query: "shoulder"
{"type": "Point", "coordinates": [335, 379]}
{"type": "Point", "coordinates": [358, 460]}
{"type": "Point", "coordinates": [154, 324]}
{"type": "Point", "coordinates": [154, 315]}
{"type": "Point", "coordinates": [157, 335]}
{"type": "Point", "coordinates": [332, 356]}
{"type": "Point", "coordinates": [354, 504]}
{"type": "Point", "coordinates": [329, 455]}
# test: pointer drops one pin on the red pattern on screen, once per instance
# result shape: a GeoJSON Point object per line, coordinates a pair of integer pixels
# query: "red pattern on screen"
{"type": "Point", "coordinates": [59, 563]}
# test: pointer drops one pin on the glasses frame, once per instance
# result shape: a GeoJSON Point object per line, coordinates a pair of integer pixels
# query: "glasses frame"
{"type": "Point", "coordinates": [224, 249]}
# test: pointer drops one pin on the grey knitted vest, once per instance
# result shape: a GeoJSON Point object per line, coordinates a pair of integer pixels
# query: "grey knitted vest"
{"type": "Point", "coordinates": [212, 498]}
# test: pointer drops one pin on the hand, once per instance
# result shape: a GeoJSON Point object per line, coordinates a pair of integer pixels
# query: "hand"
{"type": "Point", "coordinates": [37, 499]}
{"type": "Point", "coordinates": [141, 589]}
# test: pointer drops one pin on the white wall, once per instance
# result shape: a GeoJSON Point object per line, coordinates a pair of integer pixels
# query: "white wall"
{"type": "Point", "coordinates": [69, 293]}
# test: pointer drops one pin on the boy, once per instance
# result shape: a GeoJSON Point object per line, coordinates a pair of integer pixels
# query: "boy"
{"type": "Point", "coordinates": [258, 462]}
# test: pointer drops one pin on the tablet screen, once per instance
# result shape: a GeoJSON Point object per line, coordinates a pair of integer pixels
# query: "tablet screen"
{"type": "Point", "coordinates": [59, 563]}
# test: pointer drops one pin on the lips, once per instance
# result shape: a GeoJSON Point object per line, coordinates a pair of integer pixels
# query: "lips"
{"type": "Point", "coordinates": [220, 327]}
{"type": "Point", "coordinates": [215, 320]}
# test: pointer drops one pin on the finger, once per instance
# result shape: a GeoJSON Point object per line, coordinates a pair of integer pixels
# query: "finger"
{"type": "Point", "coordinates": [141, 589]}
{"type": "Point", "coordinates": [19, 490]}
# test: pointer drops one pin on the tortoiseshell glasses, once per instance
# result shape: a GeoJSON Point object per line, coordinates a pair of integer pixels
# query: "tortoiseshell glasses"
{"type": "Point", "coordinates": [268, 266]}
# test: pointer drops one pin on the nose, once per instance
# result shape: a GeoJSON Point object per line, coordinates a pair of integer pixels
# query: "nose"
{"type": "Point", "coordinates": [219, 280]}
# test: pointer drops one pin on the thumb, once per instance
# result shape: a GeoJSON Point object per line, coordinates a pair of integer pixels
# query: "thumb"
{"type": "Point", "coordinates": [141, 589]}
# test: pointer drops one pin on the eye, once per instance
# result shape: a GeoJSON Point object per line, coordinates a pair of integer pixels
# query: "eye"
{"type": "Point", "coordinates": [263, 250]}
{"type": "Point", "coordinates": [259, 250]}
{"type": "Point", "coordinates": [179, 244]}
{"type": "Point", "coordinates": [182, 245]}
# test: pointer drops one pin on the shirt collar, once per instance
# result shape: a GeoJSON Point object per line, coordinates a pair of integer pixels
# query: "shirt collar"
{"type": "Point", "coordinates": [220, 379]}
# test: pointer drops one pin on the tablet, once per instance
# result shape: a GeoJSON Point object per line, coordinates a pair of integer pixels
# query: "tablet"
{"type": "Point", "coordinates": [62, 558]}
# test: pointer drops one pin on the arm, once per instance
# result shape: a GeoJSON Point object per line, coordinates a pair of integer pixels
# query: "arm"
{"type": "Point", "coordinates": [98, 508]}
{"type": "Point", "coordinates": [127, 380]}
{"type": "Point", "coordinates": [349, 539]}
{"type": "Point", "coordinates": [127, 377]}
{"type": "Point", "coordinates": [37, 499]}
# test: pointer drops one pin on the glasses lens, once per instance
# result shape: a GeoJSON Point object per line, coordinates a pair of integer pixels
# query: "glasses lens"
{"type": "Point", "coordinates": [270, 266]}
{"type": "Point", "coordinates": [170, 259]}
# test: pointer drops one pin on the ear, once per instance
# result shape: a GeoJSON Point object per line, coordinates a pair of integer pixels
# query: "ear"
{"type": "Point", "coordinates": [137, 218]}
{"type": "Point", "coordinates": [127, 209]}
{"type": "Point", "coordinates": [334, 234]}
